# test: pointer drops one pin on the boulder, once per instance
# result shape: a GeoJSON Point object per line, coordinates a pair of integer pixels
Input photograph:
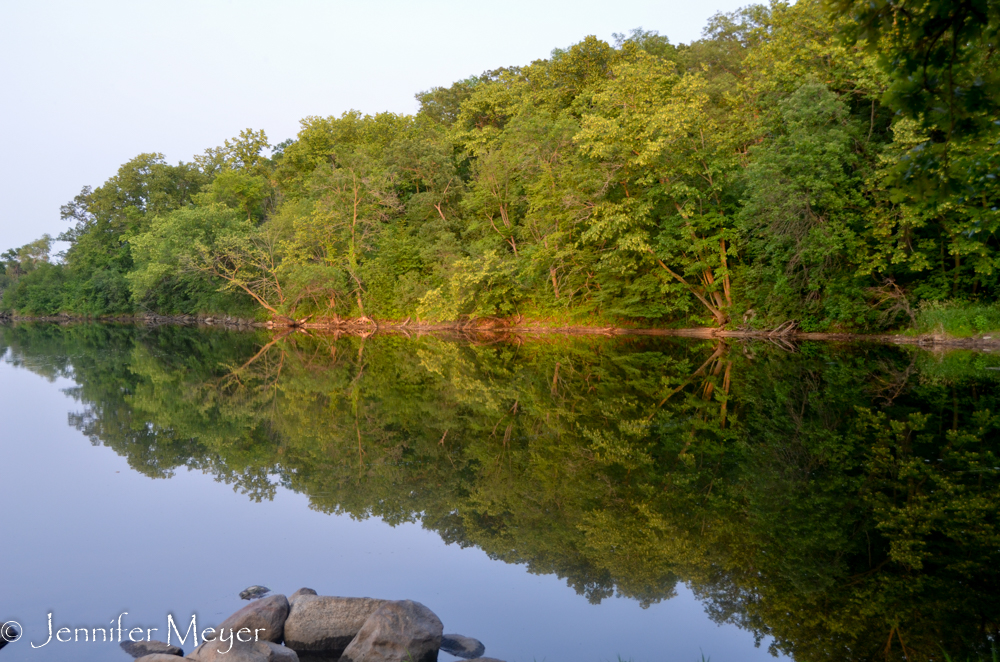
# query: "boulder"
{"type": "Point", "coordinates": [460, 646]}
{"type": "Point", "coordinates": [254, 651]}
{"type": "Point", "coordinates": [139, 649]}
{"type": "Point", "coordinates": [398, 631]}
{"type": "Point", "coordinates": [158, 657]}
{"type": "Point", "coordinates": [267, 615]}
{"type": "Point", "coordinates": [326, 624]}
{"type": "Point", "coordinates": [301, 591]}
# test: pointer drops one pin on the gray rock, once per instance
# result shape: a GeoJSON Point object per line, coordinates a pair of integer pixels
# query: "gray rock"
{"type": "Point", "coordinates": [254, 651]}
{"type": "Point", "coordinates": [254, 592]}
{"type": "Point", "coordinates": [301, 591]}
{"type": "Point", "coordinates": [145, 648]}
{"type": "Point", "coordinates": [485, 659]}
{"type": "Point", "coordinates": [138, 649]}
{"type": "Point", "coordinates": [282, 653]}
{"type": "Point", "coordinates": [398, 631]}
{"type": "Point", "coordinates": [217, 651]}
{"type": "Point", "coordinates": [327, 624]}
{"type": "Point", "coordinates": [460, 646]}
{"type": "Point", "coordinates": [267, 615]}
{"type": "Point", "coordinates": [157, 657]}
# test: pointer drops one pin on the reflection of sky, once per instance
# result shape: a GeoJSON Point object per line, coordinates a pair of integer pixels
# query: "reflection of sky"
{"type": "Point", "coordinates": [87, 539]}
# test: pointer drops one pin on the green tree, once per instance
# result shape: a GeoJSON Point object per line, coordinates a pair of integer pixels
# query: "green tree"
{"type": "Point", "coordinates": [242, 175]}
{"type": "Point", "coordinates": [99, 256]}
{"type": "Point", "coordinates": [805, 209]}
{"type": "Point", "coordinates": [169, 276]}
{"type": "Point", "coordinates": [655, 130]}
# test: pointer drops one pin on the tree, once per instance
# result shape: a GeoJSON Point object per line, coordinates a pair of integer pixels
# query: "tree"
{"type": "Point", "coordinates": [170, 271]}
{"type": "Point", "coordinates": [99, 255]}
{"type": "Point", "coordinates": [354, 200]}
{"type": "Point", "coordinates": [941, 57]}
{"type": "Point", "coordinates": [805, 206]}
{"type": "Point", "coordinates": [656, 130]}
{"type": "Point", "coordinates": [242, 175]}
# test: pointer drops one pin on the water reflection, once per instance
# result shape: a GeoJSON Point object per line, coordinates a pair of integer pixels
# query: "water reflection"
{"type": "Point", "coordinates": [842, 500]}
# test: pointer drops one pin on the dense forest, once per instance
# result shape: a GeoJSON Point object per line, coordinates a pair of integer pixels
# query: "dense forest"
{"type": "Point", "coordinates": [839, 502]}
{"type": "Point", "coordinates": [832, 164]}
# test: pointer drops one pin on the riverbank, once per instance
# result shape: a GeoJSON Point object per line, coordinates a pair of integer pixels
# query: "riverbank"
{"type": "Point", "coordinates": [987, 342]}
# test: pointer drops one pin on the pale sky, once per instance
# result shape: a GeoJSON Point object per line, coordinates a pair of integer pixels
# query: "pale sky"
{"type": "Point", "coordinates": [86, 86]}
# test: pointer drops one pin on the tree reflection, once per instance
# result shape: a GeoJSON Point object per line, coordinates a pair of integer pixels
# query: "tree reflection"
{"type": "Point", "coordinates": [840, 499]}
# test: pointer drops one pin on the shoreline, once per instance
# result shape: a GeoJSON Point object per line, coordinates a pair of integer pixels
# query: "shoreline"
{"type": "Point", "coordinates": [493, 327]}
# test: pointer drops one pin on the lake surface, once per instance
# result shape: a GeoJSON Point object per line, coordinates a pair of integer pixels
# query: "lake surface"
{"type": "Point", "coordinates": [561, 499]}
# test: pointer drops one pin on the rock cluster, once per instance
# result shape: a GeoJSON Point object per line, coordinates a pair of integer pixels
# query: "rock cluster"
{"type": "Point", "coordinates": [321, 628]}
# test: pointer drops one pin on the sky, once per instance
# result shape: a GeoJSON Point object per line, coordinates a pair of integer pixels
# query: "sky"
{"type": "Point", "coordinates": [86, 86]}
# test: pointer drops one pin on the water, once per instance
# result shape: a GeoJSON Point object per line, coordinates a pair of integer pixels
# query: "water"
{"type": "Point", "coordinates": [561, 499]}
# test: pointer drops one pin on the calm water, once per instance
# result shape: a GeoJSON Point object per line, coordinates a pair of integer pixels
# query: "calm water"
{"type": "Point", "coordinates": [561, 499]}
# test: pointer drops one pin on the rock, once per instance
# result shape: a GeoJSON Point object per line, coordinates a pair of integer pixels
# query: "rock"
{"type": "Point", "coordinates": [327, 624]}
{"type": "Point", "coordinates": [146, 648]}
{"type": "Point", "coordinates": [398, 631]}
{"type": "Point", "coordinates": [267, 615]}
{"type": "Point", "coordinates": [460, 646]}
{"type": "Point", "coordinates": [8, 634]}
{"type": "Point", "coordinates": [282, 653]}
{"type": "Point", "coordinates": [254, 592]}
{"type": "Point", "coordinates": [157, 657]}
{"type": "Point", "coordinates": [254, 651]}
{"type": "Point", "coordinates": [301, 591]}
{"type": "Point", "coordinates": [485, 659]}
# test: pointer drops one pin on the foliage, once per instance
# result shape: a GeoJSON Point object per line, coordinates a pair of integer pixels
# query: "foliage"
{"type": "Point", "coordinates": [166, 277]}
{"type": "Point", "coordinates": [960, 320]}
{"type": "Point", "coordinates": [941, 57]}
{"type": "Point", "coordinates": [832, 165]}
{"type": "Point", "coordinates": [840, 501]}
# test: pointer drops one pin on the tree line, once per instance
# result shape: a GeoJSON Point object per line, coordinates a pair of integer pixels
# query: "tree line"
{"type": "Point", "coordinates": [833, 164]}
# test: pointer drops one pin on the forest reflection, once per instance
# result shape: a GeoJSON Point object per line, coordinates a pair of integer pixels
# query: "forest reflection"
{"type": "Point", "coordinates": [840, 499]}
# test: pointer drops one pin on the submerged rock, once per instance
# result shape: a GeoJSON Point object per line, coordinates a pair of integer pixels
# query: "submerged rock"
{"type": "Point", "coordinates": [266, 616]}
{"type": "Point", "coordinates": [139, 649]}
{"type": "Point", "coordinates": [398, 631]}
{"type": "Point", "coordinates": [319, 623]}
{"type": "Point", "coordinates": [157, 657]}
{"type": "Point", "coordinates": [281, 653]}
{"type": "Point", "coordinates": [254, 592]}
{"type": "Point", "coordinates": [9, 634]}
{"type": "Point", "coordinates": [460, 646]}
{"type": "Point", "coordinates": [254, 651]}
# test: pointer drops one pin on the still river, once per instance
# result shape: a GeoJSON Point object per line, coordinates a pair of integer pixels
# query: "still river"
{"type": "Point", "coordinates": [559, 498]}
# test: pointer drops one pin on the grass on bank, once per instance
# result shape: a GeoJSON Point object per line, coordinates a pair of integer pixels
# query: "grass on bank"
{"type": "Point", "coordinates": [995, 657]}
{"type": "Point", "coordinates": [961, 320]}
